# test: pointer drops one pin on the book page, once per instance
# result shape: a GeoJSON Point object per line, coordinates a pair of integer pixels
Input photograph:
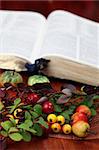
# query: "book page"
{"type": "Point", "coordinates": [72, 37]}
{"type": "Point", "coordinates": [20, 32]}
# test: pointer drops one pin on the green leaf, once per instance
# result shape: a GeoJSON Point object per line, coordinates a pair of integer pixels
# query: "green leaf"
{"type": "Point", "coordinates": [13, 121]}
{"type": "Point", "coordinates": [16, 136]}
{"type": "Point", "coordinates": [29, 123]}
{"type": "Point", "coordinates": [6, 125]}
{"type": "Point", "coordinates": [31, 130]}
{"type": "Point", "coordinates": [66, 115]}
{"type": "Point", "coordinates": [88, 103]}
{"type": "Point", "coordinates": [38, 109]}
{"type": "Point", "coordinates": [25, 127]}
{"type": "Point", "coordinates": [13, 129]}
{"type": "Point", "coordinates": [10, 77]}
{"type": "Point", "coordinates": [5, 77]}
{"type": "Point", "coordinates": [26, 136]}
{"type": "Point", "coordinates": [27, 115]}
{"type": "Point", "coordinates": [93, 112]}
{"type": "Point", "coordinates": [17, 101]}
{"type": "Point", "coordinates": [42, 122]}
{"type": "Point", "coordinates": [71, 109]}
{"type": "Point", "coordinates": [16, 78]}
{"type": "Point", "coordinates": [34, 114]}
{"type": "Point", "coordinates": [27, 107]}
{"type": "Point", "coordinates": [4, 133]}
{"type": "Point", "coordinates": [38, 129]}
{"type": "Point", "coordinates": [12, 109]}
{"type": "Point", "coordinates": [57, 108]}
{"type": "Point", "coordinates": [95, 97]}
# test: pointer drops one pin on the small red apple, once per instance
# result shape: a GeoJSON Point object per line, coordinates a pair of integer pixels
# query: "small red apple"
{"type": "Point", "coordinates": [32, 98]}
{"type": "Point", "coordinates": [84, 109]}
{"type": "Point", "coordinates": [48, 107]}
{"type": "Point", "coordinates": [78, 117]}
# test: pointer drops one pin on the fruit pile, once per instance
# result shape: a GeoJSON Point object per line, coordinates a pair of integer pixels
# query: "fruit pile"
{"type": "Point", "coordinates": [58, 125]}
{"type": "Point", "coordinates": [78, 123]}
{"type": "Point", "coordinates": [35, 108]}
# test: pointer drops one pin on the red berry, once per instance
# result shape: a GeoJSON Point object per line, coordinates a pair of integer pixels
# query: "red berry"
{"type": "Point", "coordinates": [32, 98]}
{"type": "Point", "coordinates": [48, 107]}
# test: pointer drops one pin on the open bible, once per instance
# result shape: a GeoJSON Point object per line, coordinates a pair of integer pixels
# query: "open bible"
{"type": "Point", "coordinates": [69, 41]}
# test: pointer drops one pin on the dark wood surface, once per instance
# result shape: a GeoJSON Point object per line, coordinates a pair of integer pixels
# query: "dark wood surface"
{"type": "Point", "coordinates": [84, 8]}
{"type": "Point", "coordinates": [88, 9]}
{"type": "Point", "coordinates": [55, 144]}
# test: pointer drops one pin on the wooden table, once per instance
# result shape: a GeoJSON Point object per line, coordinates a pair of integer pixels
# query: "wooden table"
{"type": "Point", "coordinates": [55, 144]}
{"type": "Point", "coordinates": [84, 8]}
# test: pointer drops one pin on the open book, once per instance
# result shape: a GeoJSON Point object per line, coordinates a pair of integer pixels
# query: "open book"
{"type": "Point", "coordinates": [69, 41]}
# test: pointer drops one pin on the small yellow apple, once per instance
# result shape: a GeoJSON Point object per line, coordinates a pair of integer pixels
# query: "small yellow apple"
{"type": "Point", "coordinates": [60, 119]}
{"type": "Point", "coordinates": [56, 128]}
{"type": "Point", "coordinates": [51, 118]}
{"type": "Point", "coordinates": [66, 128]}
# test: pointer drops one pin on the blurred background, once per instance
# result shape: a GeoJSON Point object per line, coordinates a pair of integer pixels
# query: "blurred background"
{"type": "Point", "coordinates": [87, 9]}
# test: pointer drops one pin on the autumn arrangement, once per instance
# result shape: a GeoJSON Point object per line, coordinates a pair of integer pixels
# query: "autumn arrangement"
{"type": "Point", "coordinates": [36, 109]}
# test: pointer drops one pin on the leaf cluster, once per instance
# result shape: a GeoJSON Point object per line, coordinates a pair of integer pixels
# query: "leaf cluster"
{"type": "Point", "coordinates": [31, 124]}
